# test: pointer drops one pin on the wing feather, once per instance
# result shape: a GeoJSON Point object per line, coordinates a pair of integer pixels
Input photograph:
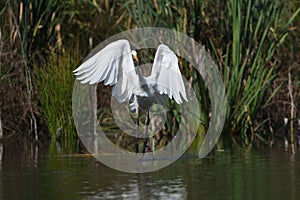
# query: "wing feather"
{"type": "Point", "coordinates": [113, 65]}
{"type": "Point", "coordinates": [166, 74]}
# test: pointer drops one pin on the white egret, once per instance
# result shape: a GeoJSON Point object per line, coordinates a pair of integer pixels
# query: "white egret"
{"type": "Point", "coordinates": [115, 65]}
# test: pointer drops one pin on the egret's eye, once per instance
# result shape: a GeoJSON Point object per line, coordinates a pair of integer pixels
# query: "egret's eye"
{"type": "Point", "coordinates": [133, 53]}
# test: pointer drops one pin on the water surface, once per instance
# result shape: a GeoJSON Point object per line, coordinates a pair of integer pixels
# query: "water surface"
{"type": "Point", "coordinates": [263, 174]}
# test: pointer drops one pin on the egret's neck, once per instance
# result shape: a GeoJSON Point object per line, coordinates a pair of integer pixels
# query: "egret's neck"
{"type": "Point", "coordinates": [144, 85]}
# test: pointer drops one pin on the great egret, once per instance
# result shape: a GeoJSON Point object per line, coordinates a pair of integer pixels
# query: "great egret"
{"type": "Point", "coordinates": [115, 65]}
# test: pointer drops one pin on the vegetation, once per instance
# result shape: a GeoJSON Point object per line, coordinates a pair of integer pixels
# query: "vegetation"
{"type": "Point", "coordinates": [54, 87]}
{"type": "Point", "coordinates": [40, 44]}
{"type": "Point", "coordinates": [244, 39]}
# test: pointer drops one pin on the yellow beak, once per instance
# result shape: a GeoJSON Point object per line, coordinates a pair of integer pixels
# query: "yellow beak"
{"type": "Point", "coordinates": [135, 58]}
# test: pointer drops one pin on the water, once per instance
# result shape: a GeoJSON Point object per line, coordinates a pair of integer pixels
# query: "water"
{"type": "Point", "coordinates": [264, 174]}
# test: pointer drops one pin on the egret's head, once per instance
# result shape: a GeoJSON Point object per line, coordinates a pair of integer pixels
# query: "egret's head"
{"type": "Point", "coordinates": [134, 55]}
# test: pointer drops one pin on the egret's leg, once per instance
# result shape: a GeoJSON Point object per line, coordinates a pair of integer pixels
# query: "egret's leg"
{"type": "Point", "coordinates": [138, 134]}
{"type": "Point", "coordinates": [146, 139]}
{"type": "Point", "coordinates": [153, 137]}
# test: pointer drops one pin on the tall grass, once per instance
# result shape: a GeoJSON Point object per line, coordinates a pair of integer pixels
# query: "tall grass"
{"type": "Point", "coordinates": [36, 25]}
{"type": "Point", "coordinates": [54, 85]}
{"type": "Point", "coordinates": [30, 30]}
{"type": "Point", "coordinates": [258, 31]}
{"type": "Point", "coordinates": [243, 37]}
{"type": "Point", "coordinates": [35, 34]}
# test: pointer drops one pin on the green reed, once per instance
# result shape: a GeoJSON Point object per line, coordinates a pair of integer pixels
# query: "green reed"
{"type": "Point", "coordinates": [53, 83]}
{"type": "Point", "coordinates": [258, 31]}
{"type": "Point", "coordinates": [30, 29]}
{"type": "Point", "coordinates": [243, 37]}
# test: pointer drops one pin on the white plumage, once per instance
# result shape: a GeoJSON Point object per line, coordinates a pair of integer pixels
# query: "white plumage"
{"type": "Point", "coordinates": [114, 65]}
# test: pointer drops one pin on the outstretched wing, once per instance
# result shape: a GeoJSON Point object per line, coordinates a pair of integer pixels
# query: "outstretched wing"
{"type": "Point", "coordinates": [113, 65]}
{"type": "Point", "coordinates": [166, 74]}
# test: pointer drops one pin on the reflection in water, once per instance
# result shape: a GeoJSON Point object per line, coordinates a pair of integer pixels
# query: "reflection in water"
{"type": "Point", "coordinates": [28, 172]}
{"type": "Point", "coordinates": [142, 186]}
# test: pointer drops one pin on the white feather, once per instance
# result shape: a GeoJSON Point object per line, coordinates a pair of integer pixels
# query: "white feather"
{"type": "Point", "coordinates": [166, 74]}
{"type": "Point", "coordinates": [114, 65]}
